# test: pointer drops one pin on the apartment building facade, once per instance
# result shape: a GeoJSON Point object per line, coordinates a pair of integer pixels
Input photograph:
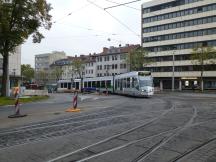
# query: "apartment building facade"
{"type": "Point", "coordinates": [42, 66]}
{"type": "Point", "coordinates": [14, 67]}
{"type": "Point", "coordinates": [112, 61]}
{"type": "Point", "coordinates": [170, 30]}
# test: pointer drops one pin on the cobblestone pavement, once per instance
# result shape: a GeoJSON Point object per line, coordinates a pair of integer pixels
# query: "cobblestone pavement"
{"type": "Point", "coordinates": [168, 127]}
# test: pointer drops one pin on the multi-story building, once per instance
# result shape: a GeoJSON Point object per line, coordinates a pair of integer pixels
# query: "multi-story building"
{"type": "Point", "coordinates": [42, 66]}
{"type": "Point", "coordinates": [170, 30]}
{"type": "Point", "coordinates": [112, 61]}
{"type": "Point", "coordinates": [14, 67]}
{"type": "Point", "coordinates": [90, 66]}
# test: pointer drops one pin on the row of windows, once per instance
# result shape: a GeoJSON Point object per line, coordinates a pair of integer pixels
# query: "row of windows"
{"type": "Point", "coordinates": [90, 64]}
{"type": "Point", "coordinates": [113, 66]}
{"type": "Point", "coordinates": [112, 57]}
{"type": "Point", "coordinates": [180, 24]}
{"type": "Point", "coordinates": [106, 74]}
{"type": "Point", "coordinates": [89, 71]}
{"type": "Point", "coordinates": [182, 68]}
{"type": "Point", "coordinates": [126, 83]}
{"type": "Point", "coordinates": [170, 58]}
{"type": "Point", "coordinates": [180, 35]}
{"type": "Point", "coordinates": [181, 46]}
{"type": "Point", "coordinates": [180, 13]}
{"type": "Point", "coordinates": [168, 5]}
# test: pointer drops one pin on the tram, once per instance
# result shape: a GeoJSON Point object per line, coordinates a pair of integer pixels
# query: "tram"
{"type": "Point", "coordinates": [136, 83]}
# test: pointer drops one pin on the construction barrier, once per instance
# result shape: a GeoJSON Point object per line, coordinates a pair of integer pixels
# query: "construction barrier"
{"type": "Point", "coordinates": [17, 108]}
{"type": "Point", "coordinates": [75, 102]}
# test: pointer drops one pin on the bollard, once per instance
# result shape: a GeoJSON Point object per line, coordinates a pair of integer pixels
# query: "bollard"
{"type": "Point", "coordinates": [75, 102]}
{"type": "Point", "coordinates": [17, 108]}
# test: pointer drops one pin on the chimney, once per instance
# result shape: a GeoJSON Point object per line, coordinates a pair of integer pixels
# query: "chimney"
{"type": "Point", "coordinates": [105, 50]}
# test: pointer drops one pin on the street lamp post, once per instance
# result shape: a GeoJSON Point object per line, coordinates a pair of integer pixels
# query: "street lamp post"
{"type": "Point", "coordinates": [173, 70]}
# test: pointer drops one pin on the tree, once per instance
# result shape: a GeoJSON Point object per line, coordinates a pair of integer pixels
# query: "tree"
{"type": "Point", "coordinates": [43, 77]}
{"type": "Point", "coordinates": [18, 20]}
{"type": "Point", "coordinates": [137, 59]}
{"type": "Point", "coordinates": [78, 69]}
{"type": "Point", "coordinates": [202, 56]}
{"type": "Point", "coordinates": [27, 72]}
{"type": "Point", "coordinates": [57, 72]}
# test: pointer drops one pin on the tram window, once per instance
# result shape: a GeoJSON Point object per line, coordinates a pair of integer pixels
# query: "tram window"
{"type": "Point", "coordinates": [93, 84]}
{"type": "Point", "coordinates": [98, 84]}
{"type": "Point", "coordinates": [102, 84]}
{"type": "Point", "coordinates": [134, 82]}
{"type": "Point", "coordinates": [125, 82]}
{"type": "Point", "coordinates": [85, 84]}
{"type": "Point", "coordinates": [108, 82]}
{"type": "Point", "coordinates": [69, 86]}
{"type": "Point", "coordinates": [128, 82]}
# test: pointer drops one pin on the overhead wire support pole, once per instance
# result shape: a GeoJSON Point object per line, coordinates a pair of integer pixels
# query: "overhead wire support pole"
{"type": "Point", "coordinates": [121, 4]}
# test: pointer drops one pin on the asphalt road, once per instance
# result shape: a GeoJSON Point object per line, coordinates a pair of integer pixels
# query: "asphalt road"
{"type": "Point", "coordinates": [169, 127]}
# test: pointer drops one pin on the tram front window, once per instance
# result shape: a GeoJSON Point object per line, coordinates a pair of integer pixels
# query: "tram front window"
{"type": "Point", "coordinates": [145, 83]}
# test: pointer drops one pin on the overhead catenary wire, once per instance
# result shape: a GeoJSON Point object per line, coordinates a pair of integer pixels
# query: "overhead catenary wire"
{"type": "Point", "coordinates": [122, 4]}
{"type": "Point", "coordinates": [70, 13]}
{"type": "Point", "coordinates": [114, 18]}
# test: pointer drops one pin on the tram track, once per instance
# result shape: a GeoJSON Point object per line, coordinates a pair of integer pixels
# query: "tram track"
{"type": "Point", "coordinates": [103, 113]}
{"type": "Point", "coordinates": [174, 132]}
{"type": "Point", "coordinates": [53, 129]}
{"type": "Point", "coordinates": [147, 153]}
{"type": "Point", "coordinates": [110, 138]}
{"type": "Point", "coordinates": [189, 152]}
{"type": "Point", "coordinates": [47, 133]}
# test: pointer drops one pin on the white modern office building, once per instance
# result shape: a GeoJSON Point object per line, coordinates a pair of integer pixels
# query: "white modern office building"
{"type": "Point", "coordinates": [170, 30]}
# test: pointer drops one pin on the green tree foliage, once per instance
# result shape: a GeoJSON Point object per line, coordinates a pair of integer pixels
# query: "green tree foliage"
{"type": "Point", "coordinates": [27, 72]}
{"type": "Point", "coordinates": [202, 56]}
{"type": "Point", "coordinates": [18, 20]}
{"type": "Point", "coordinates": [137, 59]}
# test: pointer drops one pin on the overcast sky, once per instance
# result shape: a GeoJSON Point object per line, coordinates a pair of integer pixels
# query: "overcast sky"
{"type": "Point", "coordinates": [87, 29]}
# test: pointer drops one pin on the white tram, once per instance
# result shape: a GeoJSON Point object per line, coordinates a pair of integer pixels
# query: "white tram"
{"type": "Point", "coordinates": [137, 83]}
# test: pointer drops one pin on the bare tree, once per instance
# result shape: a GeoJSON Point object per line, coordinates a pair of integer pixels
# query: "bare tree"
{"type": "Point", "coordinates": [57, 73]}
{"type": "Point", "coordinates": [78, 69]}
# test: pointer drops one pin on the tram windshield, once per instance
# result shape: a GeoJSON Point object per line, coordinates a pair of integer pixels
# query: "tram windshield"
{"type": "Point", "coordinates": [144, 83]}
